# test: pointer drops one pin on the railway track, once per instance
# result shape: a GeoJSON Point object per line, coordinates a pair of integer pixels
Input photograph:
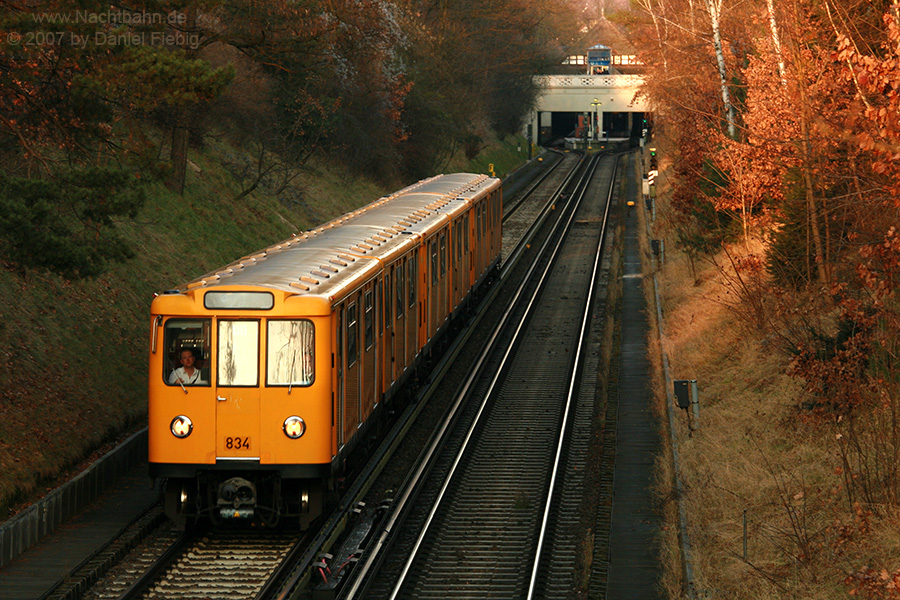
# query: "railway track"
{"type": "Point", "coordinates": [527, 211]}
{"type": "Point", "coordinates": [492, 511]}
{"type": "Point", "coordinates": [219, 564]}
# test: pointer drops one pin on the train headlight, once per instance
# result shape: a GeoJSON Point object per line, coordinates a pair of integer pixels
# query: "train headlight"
{"type": "Point", "coordinates": [181, 426]}
{"type": "Point", "coordinates": [294, 427]}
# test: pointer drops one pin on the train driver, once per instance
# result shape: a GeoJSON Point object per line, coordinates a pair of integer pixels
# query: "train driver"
{"type": "Point", "coordinates": [188, 373]}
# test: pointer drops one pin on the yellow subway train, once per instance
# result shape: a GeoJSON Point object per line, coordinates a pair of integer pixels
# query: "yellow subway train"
{"type": "Point", "coordinates": [266, 373]}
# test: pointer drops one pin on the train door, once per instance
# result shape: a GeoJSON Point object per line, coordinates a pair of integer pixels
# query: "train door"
{"type": "Point", "coordinates": [433, 290]}
{"type": "Point", "coordinates": [412, 317]}
{"type": "Point", "coordinates": [496, 199]}
{"type": "Point", "coordinates": [352, 367]}
{"type": "Point", "coordinates": [237, 389]}
{"type": "Point", "coordinates": [467, 252]}
{"type": "Point", "coordinates": [460, 272]}
{"type": "Point", "coordinates": [387, 305]}
{"type": "Point", "coordinates": [479, 238]}
{"type": "Point", "coordinates": [338, 418]}
{"type": "Point", "coordinates": [422, 294]}
{"type": "Point", "coordinates": [382, 361]}
{"type": "Point", "coordinates": [399, 300]}
{"type": "Point", "coordinates": [370, 352]}
{"type": "Point", "coordinates": [444, 280]}
{"type": "Point", "coordinates": [455, 264]}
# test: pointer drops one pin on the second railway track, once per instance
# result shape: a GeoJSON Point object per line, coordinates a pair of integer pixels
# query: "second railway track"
{"type": "Point", "coordinates": [490, 502]}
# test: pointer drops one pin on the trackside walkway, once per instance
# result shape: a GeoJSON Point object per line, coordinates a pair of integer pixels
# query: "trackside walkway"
{"type": "Point", "coordinates": [634, 567]}
{"type": "Point", "coordinates": [36, 571]}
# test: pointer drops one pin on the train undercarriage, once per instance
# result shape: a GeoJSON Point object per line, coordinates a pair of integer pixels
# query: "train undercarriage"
{"type": "Point", "coordinates": [263, 498]}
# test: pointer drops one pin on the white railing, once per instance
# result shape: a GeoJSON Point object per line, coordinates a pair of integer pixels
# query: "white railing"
{"type": "Point", "coordinates": [589, 81]}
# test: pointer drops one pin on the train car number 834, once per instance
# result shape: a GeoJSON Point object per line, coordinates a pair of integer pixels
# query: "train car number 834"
{"type": "Point", "coordinates": [237, 443]}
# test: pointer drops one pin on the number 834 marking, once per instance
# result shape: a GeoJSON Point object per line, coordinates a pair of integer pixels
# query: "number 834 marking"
{"type": "Point", "coordinates": [237, 443]}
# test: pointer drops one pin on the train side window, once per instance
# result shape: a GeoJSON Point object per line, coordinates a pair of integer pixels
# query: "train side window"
{"type": "Point", "coordinates": [413, 273]}
{"type": "Point", "coordinates": [186, 334]}
{"type": "Point", "coordinates": [290, 352]}
{"type": "Point", "coordinates": [400, 281]}
{"type": "Point", "coordinates": [432, 247]}
{"type": "Point", "coordinates": [369, 320]}
{"type": "Point", "coordinates": [352, 335]}
{"type": "Point", "coordinates": [238, 353]}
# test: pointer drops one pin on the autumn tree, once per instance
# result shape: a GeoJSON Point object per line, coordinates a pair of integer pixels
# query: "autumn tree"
{"type": "Point", "coordinates": [63, 189]}
{"type": "Point", "coordinates": [470, 67]}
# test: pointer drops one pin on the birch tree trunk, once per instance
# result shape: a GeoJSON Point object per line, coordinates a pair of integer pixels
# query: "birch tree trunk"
{"type": "Point", "coordinates": [776, 41]}
{"type": "Point", "coordinates": [715, 13]}
{"type": "Point", "coordinates": [647, 5]}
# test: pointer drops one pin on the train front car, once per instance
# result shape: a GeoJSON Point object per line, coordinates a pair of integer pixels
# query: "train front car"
{"type": "Point", "coordinates": [248, 433]}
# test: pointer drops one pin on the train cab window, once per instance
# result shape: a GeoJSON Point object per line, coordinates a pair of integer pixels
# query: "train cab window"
{"type": "Point", "coordinates": [369, 320]}
{"type": "Point", "coordinates": [184, 336]}
{"type": "Point", "coordinates": [400, 281]}
{"type": "Point", "coordinates": [238, 353]}
{"type": "Point", "coordinates": [352, 334]}
{"type": "Point", "coordinates": [290, 352]}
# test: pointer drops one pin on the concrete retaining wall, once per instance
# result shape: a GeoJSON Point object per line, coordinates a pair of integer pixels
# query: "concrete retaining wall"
{"type": "Point", "coordinates": [26, 528]}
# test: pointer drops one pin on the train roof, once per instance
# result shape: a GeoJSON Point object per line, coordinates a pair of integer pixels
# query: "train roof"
{"type": "Point", "coordinates": [323, 260]}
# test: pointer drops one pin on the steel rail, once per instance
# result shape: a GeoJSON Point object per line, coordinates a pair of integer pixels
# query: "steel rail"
{"type": "Point", "coordinates": [539, 221]}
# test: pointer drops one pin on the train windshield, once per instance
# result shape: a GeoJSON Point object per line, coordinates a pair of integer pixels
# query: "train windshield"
{"type": "Point", "coordinates": [290, 353]}
{"type": "Point", "coordinates": [238, 353]}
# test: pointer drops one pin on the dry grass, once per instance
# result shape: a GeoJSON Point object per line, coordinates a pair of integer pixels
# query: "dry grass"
{"type": "Point", "coordinates": [754, 454]}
